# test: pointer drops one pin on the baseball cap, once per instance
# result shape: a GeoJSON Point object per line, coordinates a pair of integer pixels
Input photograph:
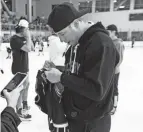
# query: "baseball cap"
{"type": "Point", "coordinates": [112, 27]}
{"type": "Point", "coordinates": [23, 23]}
{"type": "Point", "coordinates": [64, 14]}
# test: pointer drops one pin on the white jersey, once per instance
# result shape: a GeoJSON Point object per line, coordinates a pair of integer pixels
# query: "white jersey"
{"type": "Point", "coordinates": [56, 50]}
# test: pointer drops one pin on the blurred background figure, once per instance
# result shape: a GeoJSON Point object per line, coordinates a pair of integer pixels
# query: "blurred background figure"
{"type": "Point", "coordinates": [118, 42]}
{"type": "Point", "coordinates": [9, 53]}
{"type": "Point", "coordinates": [1, 70]}
{"type": "Point", "coordinates": [133, 41]}
{"type": "Point", "coordinates": [41, 46]}
{"type": "Point", "coordinates": [21, 44]}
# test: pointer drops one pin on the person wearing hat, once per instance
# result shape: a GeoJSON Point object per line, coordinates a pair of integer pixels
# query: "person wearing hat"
{"type": "Point", "coordinates": [113, 33]}
{"type": "Point", "coordinates": [21, 44]}
{"type": "Point", "coordinates": [89, 70]}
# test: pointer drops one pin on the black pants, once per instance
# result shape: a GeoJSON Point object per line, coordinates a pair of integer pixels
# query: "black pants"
{"type": "Point", "coordinates": [96, 125]}
{"type": "Point", "coordinates": [116, 79]}
{"type": "Point", "coordinates": [132, 44]}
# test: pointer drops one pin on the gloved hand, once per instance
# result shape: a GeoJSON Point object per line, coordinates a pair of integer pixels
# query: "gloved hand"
{"type": "Point", "coordinates": [115, 101]}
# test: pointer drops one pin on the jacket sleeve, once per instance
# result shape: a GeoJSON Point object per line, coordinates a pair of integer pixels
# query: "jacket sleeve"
{"type": "Point", "coordinates": [99, 68]}
{"type": "Point", "coordinates": [9, 120]}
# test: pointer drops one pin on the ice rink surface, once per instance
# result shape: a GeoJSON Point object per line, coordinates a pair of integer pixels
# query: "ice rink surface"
{"type": "Point", "coordinates": [129, 115]}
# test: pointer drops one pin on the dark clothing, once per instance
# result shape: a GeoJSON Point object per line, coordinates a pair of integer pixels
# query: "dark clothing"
{"type": "Point", "coordinates": [8, 50]}
{"type": "Point", "coordinates": [116, 93]}
{"type": "Point", "coordinates": [9, 120]}
{"type": "Point", "coordinates": [48, 99]}
{"type": "Point", "coordinates": [89, 88]}
{"type": "Point", "coordinates": [133, 42]}
{"type": "Point", "coordinates": [116, 78]}
{"type": "Point", "coordinates": [2, 71]}
{"type": "Point", "coordinates": [20, 57]}
{"type": "Point", "coordinates": [96, 125]}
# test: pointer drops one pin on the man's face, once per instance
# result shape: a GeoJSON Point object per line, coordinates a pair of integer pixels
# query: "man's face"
{"type": "Point", "coordinates": [70, 34]}
{"type": "Point", "coordinates": [111, 34]}
{"type": "Point", "coordinates": [67, 35]}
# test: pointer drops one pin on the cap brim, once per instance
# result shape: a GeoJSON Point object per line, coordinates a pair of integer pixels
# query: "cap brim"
{"type": "Point", "coordinates": [83, 12]}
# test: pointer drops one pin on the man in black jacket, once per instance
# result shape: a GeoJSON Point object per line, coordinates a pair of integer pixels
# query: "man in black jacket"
{"type": "Point", "coordinates": [89, 70]}
{"type": "Point", "coordinates": [9, 118]}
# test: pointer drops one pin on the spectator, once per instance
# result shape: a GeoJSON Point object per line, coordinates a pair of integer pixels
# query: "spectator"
{"type": "Point", "coordinates": [113, 33]}
{"type": "Point", "coordinates": [21, 44]}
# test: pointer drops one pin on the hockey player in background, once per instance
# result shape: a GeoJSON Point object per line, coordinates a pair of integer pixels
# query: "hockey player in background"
{"type": "Point", "coordinates": [9, 52]}
{"type": "Point", "coordinates": [21, 44]}
{"type": "Point", "coordinates": [133, 41]}
{"type": "Point", "coordinates": [113, 33]}
{"type": "Point", "coordinates": [41, 47]}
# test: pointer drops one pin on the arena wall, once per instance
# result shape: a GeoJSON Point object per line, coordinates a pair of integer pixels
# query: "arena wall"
{"type": "Point", "coordinates": [20, 8]}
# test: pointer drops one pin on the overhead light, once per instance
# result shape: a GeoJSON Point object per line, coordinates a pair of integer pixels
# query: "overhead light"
{"type": "Point", "coordinates": [121, 7]}
{"type": "Point", "coordinates": [115, 1]}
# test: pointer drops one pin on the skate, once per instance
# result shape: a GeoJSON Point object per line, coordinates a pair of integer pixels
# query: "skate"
{"type": "Point", "coordinates": [23, 115]}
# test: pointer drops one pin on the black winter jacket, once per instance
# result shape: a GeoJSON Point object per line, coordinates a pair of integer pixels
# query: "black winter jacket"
{"type": "Point", "coordinates": [9, 120]}
{"type": "Point", "coordinates": [89, 88]}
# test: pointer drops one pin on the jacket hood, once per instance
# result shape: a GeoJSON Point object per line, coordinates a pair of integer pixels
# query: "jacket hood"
{"type": "Point", "coordinates": [117, 40]}
{"type": "Point", "coordinates": [98, 27]}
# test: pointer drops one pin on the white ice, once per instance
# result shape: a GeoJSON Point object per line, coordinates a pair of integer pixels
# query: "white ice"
{"type": "Point", "coordinates": [129, 116]}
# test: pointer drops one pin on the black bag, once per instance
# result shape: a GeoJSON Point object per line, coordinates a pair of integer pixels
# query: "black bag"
{"type": "Point", "coordinates": [41, 89]}
{"type": "Point", "coordinates": [48, 99]}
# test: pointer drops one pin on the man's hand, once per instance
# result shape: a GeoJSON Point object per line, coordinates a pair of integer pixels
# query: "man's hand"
{"type": "Point", "coordinates": [48, 65]}
{"type": "Point", "coordinates": [12, 97]}
{"type": "Point", "coordinates": [115, 105]}
{"type": "Point", "coordinates": [27, 33]}
{"type": "Point", "coordinates": [53, 75]}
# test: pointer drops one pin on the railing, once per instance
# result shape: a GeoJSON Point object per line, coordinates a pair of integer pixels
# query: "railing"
{"type": "Point", "coordinates": [10, 27]}
{"type": "Point", "coordinates": [124, 35]}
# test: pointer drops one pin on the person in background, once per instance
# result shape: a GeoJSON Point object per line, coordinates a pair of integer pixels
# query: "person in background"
{"type": "Point", "coordinates": [9, 52]}
{"type": "Point", "coordinates": [41, 47]}
{"type": "Point", "coordinates": [21, 44]}
{"type": "Point", "coordinates": [133, 41]}
{"type": "Point", "coordinates": [9, 118]}
{"type": "Point", "coordinates": [113, 33]}
{"type": "Point", "coordinates": [34, 41]}
{"type": "Point", "coordinates": [56, 50]}
{"type": "Point", "coordinates": [1, 70]}
{"type": "Point", "coordinates": [1, 63]}
{"type": "Point", "coordinates": [89, 70]}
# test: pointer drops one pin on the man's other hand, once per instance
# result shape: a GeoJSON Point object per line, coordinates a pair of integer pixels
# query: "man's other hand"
{"type": "Point", "coordinates": [53, 75]}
